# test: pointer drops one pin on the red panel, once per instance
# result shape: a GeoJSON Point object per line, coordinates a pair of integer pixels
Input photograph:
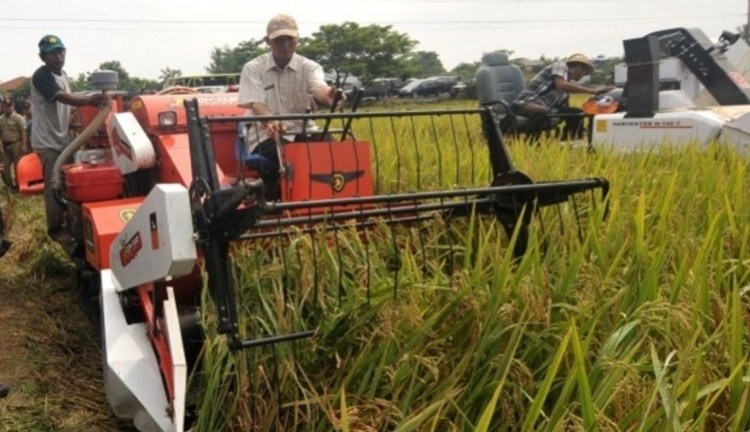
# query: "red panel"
{"type": "Point", "coordinates": [102, 221]}
{"type": "Point", "coordinates": [146, 108]}
{"type": "Point", "coordinates": [325, 170]}
{"type": "Point", "coordinates": [174, 159]}
{"type": "Point", "coordinates": [87, 183]}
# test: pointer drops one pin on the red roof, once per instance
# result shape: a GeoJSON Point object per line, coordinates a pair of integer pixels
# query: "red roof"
{"type": "Point", "coordinates": [13, 84]}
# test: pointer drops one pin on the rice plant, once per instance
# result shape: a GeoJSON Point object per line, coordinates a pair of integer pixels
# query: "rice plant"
{"type": "Point", "coordinates": [637, 321]}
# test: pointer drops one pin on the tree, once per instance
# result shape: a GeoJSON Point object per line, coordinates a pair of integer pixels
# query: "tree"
{"type": "Point", "coordinates": [125, 81]}
{"type": "Point", "coordinates": [81, 82]}
{"type": "Point", "coordinates": [605, 69]}
{"type": "Point", "coordinates": [426, 63]}
{"type": "Point", "coordinates": [115, 65]}
{"type": "Point", "coordinates": [168, 73]}
{"type": "Point", "coordinates": [368, 52]}
{"type": "Point", "coordinates": [465, 71]}
{"type": "Point", "coordinates": [230, 60]}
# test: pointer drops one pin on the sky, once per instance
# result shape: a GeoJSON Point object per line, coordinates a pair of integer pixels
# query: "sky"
{"type": "Point", "coordinates": [147, 36]}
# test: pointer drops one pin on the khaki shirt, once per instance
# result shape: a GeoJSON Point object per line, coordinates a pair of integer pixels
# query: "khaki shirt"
{"type": "Point", "coordinates": [283, 91]}
{"type": "Point", "coordinates": [12, 128]}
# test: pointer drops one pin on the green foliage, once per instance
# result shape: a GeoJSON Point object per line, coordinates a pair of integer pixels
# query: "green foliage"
{"type": "Point", "coordinates": [465, 71]}
{"type": "Point", "coordinates": [126, 82]}
{"type": "Point", "coordinates": [231, 60]}
{"type": "Point", "coordinates": [605, 70]}
{"type": "Point", "coordinates": [426, 64]}
{"type": "Point", "coordinates": [167, 73]}
{"type": "Point", "coordinates": [364, 51]}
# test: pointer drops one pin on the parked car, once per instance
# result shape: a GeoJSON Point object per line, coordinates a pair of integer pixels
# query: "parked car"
{"type": "Point", "coordinates": [350, 82]}
{"type": "Point", "coordinates": [433, 86]}
{"type": "Point", "coordinates": [381, 88]}
{"type": "Point", "coordinates": [409, 90]}
{"type": "Point", "coordinates": [457, 89]}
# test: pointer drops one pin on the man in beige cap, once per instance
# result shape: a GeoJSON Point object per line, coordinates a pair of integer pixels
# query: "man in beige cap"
{"type": "Point", "coordinates": [279, 82]}
{"type": "Point", "coordinates": [549, 91]}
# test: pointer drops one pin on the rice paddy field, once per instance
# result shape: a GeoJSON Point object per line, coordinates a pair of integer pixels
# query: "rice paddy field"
{"type": "Point", "coordinates": [637, 321]}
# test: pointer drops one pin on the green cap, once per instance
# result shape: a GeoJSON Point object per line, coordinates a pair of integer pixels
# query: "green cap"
{"type": "Point", "coordinates": [50, 43]}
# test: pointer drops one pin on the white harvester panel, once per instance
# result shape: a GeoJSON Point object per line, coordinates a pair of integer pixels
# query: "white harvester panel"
{"type": "Point", "coordinates": [132, 380]}
{"type": "Point", "coordinates": [677, 128]}
{"type": "Point", "coordinates": [158, 240]}
{"type": "Point", "coordinates": [736, 134]}
{"type": "Point", "coordinates": [131, 148]}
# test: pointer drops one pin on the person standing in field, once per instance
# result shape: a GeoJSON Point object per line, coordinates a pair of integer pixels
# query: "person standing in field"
{"type": "Point", "coordinates": [51, 100]}
{"type": "Point", "coordinates": [15, 142]}
{"type": "Point", "coordinates": [548, 92]}
{"type": "Point", "coordinates": [279, 82]}
{"type": "Point", "coordinates": [26, 112]}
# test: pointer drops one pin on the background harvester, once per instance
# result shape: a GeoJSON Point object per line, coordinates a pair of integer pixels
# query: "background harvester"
{"type": "Point", "coordinates": [678, 88]}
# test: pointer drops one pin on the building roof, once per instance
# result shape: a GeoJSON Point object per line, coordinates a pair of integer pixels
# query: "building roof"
{"type": "Point", "coordinates": [13, 84]}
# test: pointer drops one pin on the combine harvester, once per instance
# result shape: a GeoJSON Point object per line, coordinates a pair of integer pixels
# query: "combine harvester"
{"type": "Point", "coordinates": [161, 200]}
{"type": "Point", "coordinates": [677, 87]}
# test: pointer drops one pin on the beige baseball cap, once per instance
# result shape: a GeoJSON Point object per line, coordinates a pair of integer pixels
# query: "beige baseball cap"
{"type": "Point", "coordinates": [282, 25]}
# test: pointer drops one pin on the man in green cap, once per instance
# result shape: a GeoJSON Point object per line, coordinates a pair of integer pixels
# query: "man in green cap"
{"type": "Point", "coordinates": [51, 100]}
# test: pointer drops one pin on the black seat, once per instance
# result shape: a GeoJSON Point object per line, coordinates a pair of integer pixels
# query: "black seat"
{"type": "Point", "coordinates": [498, 84]}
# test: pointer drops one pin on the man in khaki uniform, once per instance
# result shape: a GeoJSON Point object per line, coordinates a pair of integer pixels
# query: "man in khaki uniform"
{"type": "Point", "coordinates": [279, 82]}
{"type": "Point", "coordinates": [15, 143]}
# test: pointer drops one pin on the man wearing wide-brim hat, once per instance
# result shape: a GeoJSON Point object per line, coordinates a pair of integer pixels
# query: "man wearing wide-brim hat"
{"type": "Point", "coordinates": [548, 92]}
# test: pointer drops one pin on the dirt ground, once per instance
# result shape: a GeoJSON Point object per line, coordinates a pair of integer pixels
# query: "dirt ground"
{"type": "Point", "coordinates": [49, 349]}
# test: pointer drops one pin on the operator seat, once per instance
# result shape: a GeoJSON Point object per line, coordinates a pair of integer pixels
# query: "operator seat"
{"type": "Point", "coordinates": [253, 161]}
{"type": "Point", "coordinates": [256, 165]}
{"type": "Point", "coordinates": [498, 84]}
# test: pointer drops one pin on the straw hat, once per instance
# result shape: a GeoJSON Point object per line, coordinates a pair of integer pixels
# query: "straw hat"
{"type": "Point", "coordinates": [581, 59]}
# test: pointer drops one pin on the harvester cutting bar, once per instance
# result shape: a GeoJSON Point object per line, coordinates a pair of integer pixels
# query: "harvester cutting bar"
{"type": "Point", "coordinates": [380, 169]}
{"type": "Point", "coordinates": [545, 193]}
{"type": "Point", "coordinates": [479, 200]}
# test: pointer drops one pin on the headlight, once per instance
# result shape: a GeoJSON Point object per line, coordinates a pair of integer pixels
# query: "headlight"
{"type": "Point", "coordinates": [167, 119]}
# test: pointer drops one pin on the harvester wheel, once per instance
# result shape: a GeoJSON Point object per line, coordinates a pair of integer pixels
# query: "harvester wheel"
{"type": "Point", "coordinates": [192, 333]}
{"type": "Point", "coordinates": [89, 285]}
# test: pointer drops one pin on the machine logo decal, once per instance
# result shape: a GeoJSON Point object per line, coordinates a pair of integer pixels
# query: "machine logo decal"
{"type": "Point", "coordinates": [130, 249]}
{"type": "Point", "coordinates": [121, 147]}
{"type": "Point", "coordinates": [126, 215]}
{"type": "Point", "coordinates": [338, 179]}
